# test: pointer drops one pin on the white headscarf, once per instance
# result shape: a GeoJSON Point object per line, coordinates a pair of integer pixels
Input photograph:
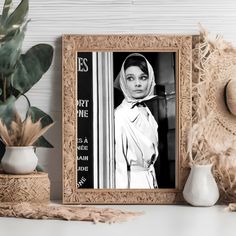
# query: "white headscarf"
{"type": "Point", "coordinates": [121, 82]}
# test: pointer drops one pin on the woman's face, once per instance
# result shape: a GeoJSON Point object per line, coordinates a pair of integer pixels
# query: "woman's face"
{"type": "Point", "coordinates": [137, 82]}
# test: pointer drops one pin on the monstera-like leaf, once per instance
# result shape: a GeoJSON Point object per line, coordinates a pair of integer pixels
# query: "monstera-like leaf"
{"type": "Point", "coordinates": [37, 114]}
{"type": "Point", "coordinates": [31, 67]}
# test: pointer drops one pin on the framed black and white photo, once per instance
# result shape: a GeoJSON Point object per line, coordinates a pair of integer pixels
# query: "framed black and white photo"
{"type": "Point", "coordinates": [126, 108]}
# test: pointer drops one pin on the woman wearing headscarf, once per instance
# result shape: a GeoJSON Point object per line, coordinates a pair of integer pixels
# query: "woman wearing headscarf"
{"type": "Point", "coordinates": [136, 137]}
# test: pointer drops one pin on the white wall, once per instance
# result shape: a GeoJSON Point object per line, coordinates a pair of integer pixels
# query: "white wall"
{"type": "Point", "coordinates": [52, 18]}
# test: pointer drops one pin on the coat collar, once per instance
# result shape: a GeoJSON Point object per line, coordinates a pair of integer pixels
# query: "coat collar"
{"type": "Point", "coordinates": [132, 111]}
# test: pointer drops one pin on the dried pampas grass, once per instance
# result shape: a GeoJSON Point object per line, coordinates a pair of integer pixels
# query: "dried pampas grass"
{"type": "Point", "coordinates": [214, 61]}
{"type": "Point", "coordinates": [20, 133]}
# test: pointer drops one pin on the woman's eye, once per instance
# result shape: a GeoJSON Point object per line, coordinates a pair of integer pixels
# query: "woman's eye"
{"type": "Point", "coordinates": [130, 78]}
{"type": "Point", "coordinates": [144, 77]}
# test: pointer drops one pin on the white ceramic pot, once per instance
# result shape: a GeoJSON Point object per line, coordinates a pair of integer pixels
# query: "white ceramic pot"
{"type": "Point", "coordinates": [19, 160]}
{"type": "Point", "coordinates": [201, 188]}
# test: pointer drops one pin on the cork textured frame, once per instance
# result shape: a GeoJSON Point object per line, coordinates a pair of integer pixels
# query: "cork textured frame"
{"type": "Point", "coordinates": [71, 45]}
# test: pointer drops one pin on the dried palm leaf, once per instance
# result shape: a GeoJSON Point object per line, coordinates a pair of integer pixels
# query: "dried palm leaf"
{"type": "Point", "coordinates": [35, 137]}
{"type": "Point", "coordinates": [23, 133]}
{"type": "Point", "coordinates": [5, 136]}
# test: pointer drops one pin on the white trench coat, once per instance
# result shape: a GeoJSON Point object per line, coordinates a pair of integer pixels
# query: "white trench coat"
{"type": "Point", "coordinates": [136, 147]}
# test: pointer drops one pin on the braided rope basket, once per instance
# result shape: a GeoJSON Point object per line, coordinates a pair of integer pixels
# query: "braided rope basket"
{"type": "Point", "coordinates": [34, 187]}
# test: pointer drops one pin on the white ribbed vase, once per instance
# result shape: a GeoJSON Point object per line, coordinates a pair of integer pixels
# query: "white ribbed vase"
{"type": "Point", "coordinates": [19, 160]}
{"type": "Point", "coordinates": [201, 188]}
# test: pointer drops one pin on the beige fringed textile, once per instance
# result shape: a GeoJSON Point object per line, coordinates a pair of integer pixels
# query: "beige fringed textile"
{"type": "Point", "coordinates": [56, 211]}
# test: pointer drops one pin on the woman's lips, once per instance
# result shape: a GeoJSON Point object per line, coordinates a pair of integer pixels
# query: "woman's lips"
{"type": "Point", "coordinates": [138, 91]}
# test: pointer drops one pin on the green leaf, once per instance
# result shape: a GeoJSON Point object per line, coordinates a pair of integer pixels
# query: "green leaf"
{"type": "Point", "coordinates": [7, 111]}
{"type": "Point", "coordinates": [18, 16]}
{"type": "Point", "coordinates": [42, 142]}
{"type": "Point", "coordinates": [10, 53]}
{"type": "Point", "coordinates": [31, 67]}
{"type": "Point", "coordinates": [39, 168]}
{"type": "Point", "coordinates": [7, 36]}
{"type": "Point", "coordinates": [5, 10]}
{"type": "Point", "coordinates": [37, 114]}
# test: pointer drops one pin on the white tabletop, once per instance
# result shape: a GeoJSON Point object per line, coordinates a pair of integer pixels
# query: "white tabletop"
{"type": "Point", "coordinates": [163, 220]}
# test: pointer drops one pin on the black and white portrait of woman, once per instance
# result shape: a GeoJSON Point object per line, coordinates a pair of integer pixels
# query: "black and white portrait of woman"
{"type": "Point", "coordinates": [126, 120]}
{"type": "Point", "coordinates": [136, 137]}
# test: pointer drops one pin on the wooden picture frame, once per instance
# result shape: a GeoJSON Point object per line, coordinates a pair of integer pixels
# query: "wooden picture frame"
{"type": "Point", "coordinates": [73, 64]}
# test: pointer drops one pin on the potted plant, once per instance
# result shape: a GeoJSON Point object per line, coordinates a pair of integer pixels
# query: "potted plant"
{"type": "Point", "coordinates": [18, 73]}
